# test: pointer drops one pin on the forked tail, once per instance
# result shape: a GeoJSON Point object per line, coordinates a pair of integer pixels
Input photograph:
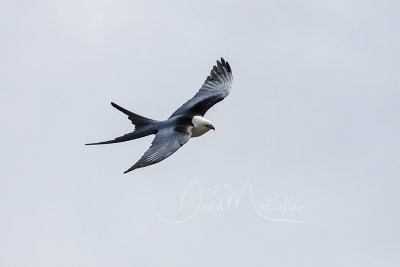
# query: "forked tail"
{"type": "Point", "coordinates": [143, 127]}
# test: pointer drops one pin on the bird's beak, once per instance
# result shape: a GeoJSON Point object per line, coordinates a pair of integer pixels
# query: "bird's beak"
{"type": "Point", "coordinates": [212, 127]}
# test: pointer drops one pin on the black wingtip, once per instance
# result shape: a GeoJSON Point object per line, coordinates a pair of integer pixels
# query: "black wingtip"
{"type": "Point", "coordinates": [226, 64]}
{"type": "Point", "coordinates": [134, 167]}
{"type": "Point", "coordinates": [129, 170]}
{"type": "Point", "coordinates": [228, 67]}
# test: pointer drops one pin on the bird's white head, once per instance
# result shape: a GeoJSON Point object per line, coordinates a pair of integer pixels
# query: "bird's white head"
{"type": "Point", "coordinates": [201, 126]}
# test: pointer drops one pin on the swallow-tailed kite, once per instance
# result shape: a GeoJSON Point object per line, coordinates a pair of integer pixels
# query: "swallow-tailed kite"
{"type": "Point", "coordinates": [186, 122]}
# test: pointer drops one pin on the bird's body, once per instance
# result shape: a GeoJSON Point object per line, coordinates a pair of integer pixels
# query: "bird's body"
{"type": "Point", "coordinates": [186, 122]}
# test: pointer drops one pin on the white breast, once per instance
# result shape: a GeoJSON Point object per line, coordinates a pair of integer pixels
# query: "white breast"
{"type": "Point", "coordinates": [197, 131]}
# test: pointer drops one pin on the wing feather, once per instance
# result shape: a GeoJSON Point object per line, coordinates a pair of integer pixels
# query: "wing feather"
{"type": "Point", "coordinates": [216, 87]}
{"type": "Point", "coordinates": [166, 143]}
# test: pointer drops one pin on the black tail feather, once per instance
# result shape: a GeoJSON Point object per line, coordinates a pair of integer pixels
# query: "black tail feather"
{"type": "Point", "coordinates": [127, 137]}
{"type": "Point", "coordinates": [137, 120]}
{"type": "Point", "coordinates": [143, 127]}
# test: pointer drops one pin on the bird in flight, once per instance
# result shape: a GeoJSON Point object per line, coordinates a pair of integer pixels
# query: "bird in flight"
{"type": "Point", "coordinates": [186, 122]}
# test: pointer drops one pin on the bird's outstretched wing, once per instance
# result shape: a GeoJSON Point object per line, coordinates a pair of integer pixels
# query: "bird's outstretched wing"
{"type": "Point", "coordinates": [166, 143]}
{"type": "Point", "coordinates": [216, 87]}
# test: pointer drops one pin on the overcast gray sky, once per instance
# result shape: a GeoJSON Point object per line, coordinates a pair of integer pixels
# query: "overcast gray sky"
{"type": "Point", "coordinates": [309, 134]}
